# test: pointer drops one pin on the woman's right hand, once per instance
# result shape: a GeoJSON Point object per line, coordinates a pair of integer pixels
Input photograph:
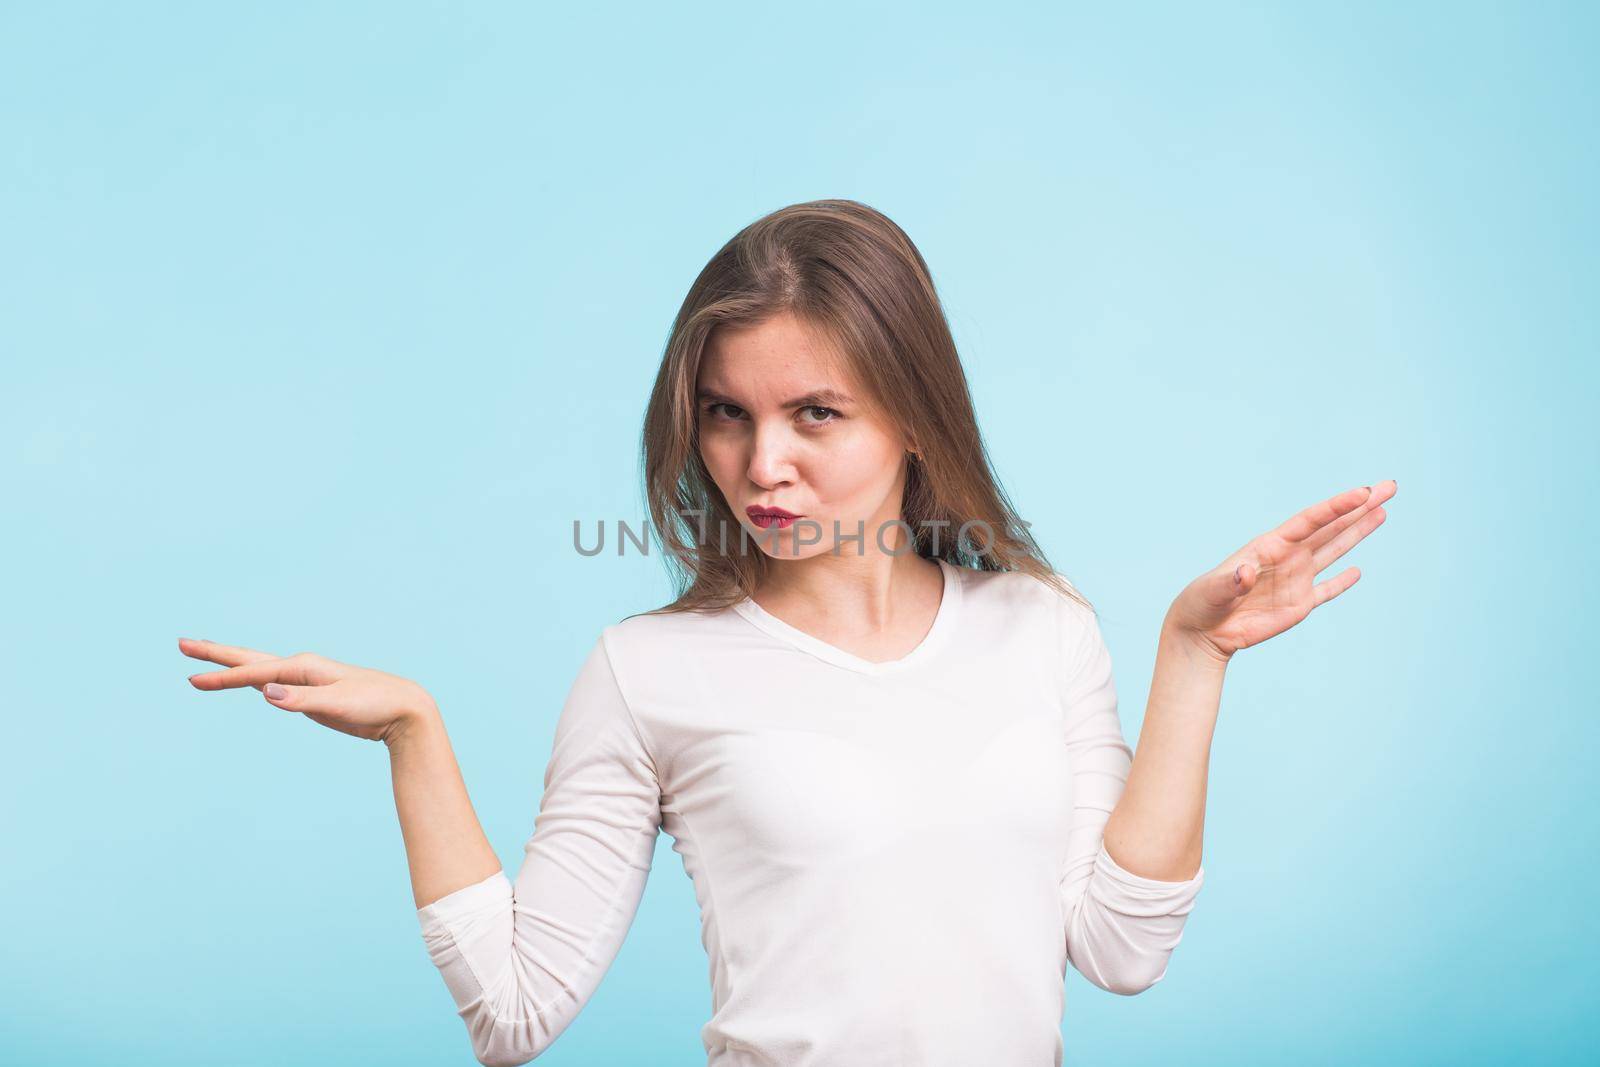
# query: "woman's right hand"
{"type": "Point", "coordinates": [353, 700]}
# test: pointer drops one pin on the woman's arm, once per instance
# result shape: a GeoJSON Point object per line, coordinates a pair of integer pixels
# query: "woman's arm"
{"type": "Point", "coordinates": [1257, 593]}
{"type": "Point", "coordinates": [1121, 927]}
{"type": "Point", "coordinates": [445, 844]}
{"type": "Point", "coordinates": [520, 960]}
{"type": "Point", "coordinates": [1155, 829]}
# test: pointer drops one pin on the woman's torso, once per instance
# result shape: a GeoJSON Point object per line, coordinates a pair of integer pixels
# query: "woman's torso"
{"type": "Point", "coordinates": [877, 849]}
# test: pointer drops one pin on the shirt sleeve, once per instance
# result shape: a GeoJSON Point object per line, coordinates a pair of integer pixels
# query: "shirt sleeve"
{"type": "Point", "coordinates": [1121, 927]}
{"type": "Point", "coordinates": [521, 960]}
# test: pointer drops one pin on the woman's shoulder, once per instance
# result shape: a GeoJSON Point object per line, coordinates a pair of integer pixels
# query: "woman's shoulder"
{"type": "Point", "coordinates": [1016, 600]}
{"type": "Point", "coordinates": [662, 622]}
{"type": "Point", "coordinates": [662, 635]}
{"type": "Point", "coordinates": [1018, 588]}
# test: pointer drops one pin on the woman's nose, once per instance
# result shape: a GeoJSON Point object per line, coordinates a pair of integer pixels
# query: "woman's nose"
{"type": "Point", "coordinates": [771, 459]}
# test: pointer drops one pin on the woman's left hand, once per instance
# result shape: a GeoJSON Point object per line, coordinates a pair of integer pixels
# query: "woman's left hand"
{"type": "Point", "coordinates": [1268, 585]}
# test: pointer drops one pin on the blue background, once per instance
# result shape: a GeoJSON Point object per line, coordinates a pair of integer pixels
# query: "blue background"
{"type": "Point", "coordinates": [320, 326]}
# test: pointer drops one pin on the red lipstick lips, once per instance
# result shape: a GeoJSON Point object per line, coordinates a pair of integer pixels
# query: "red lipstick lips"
{"type": "Point", "coordinates": [765, 517]}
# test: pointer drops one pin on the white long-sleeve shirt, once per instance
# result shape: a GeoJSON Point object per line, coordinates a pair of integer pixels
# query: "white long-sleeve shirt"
{"type": "Point", "coordinates": [894, 862]}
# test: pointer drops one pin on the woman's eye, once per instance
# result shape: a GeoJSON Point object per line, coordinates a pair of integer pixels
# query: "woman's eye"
{"type": "Point", "coordinates": [732, 413]}
{"type": "Point", "coordinates": [828, 415]}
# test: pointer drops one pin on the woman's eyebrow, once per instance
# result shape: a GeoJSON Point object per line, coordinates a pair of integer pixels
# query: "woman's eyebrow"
{"type": "Point", "coordinates": [815, 398]}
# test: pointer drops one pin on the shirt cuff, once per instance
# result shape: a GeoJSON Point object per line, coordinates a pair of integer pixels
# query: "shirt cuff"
{"type": "Point", "coordinates": [1138, 895]}
{"type": "Point", "coordinates": [489, 895]}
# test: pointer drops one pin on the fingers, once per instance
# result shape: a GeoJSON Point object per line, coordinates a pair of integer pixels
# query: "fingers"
{"type": "Point", "coordinates": [1380, 492]}
{"type": "Point", "coordinates": [295, 670]}
{"type": "Point", "coordinates": [1227, 583]}
{"type": "Point", "coordinates": [1347, 540]}
{"type": "Point", "coordinates": [299, 697]}
{"type": "Point", "coordinates": [1326, 591]}
{"type": "Point", "coordinates": [1319, 515]}
{"type": "Point", "coordinates": [227, 655]}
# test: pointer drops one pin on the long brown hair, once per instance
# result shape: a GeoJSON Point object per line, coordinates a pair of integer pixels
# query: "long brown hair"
{"type": "Point", "coordinates": [847, 271]}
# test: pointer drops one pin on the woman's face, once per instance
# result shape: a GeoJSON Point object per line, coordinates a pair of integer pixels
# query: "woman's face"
{"type": "Point", "coordinates": [782, 426]}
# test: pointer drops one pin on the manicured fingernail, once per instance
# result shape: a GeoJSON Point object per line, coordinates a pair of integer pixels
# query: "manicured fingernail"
{"type": "Point", "coordinates": [275, 691]}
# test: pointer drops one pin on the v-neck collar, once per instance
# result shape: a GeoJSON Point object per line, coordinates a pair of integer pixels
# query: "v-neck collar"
{"type": "Point", "coordinates": [943, 622]}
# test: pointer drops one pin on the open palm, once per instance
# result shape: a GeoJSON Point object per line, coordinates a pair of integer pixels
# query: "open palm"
{"type": "Point", "coordinates": [359, 701]}
{"type": "Point", "coordinates": [1270, 584]}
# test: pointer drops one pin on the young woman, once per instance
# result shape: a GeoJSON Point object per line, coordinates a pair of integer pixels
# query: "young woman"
{"type": "Point", "coordinates": [880, 729]}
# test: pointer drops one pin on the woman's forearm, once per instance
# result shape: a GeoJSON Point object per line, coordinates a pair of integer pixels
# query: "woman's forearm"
{"type": "Point", "coordinates": [445, 844]}
{"type": "Point", "coordinates": [1156, 828]}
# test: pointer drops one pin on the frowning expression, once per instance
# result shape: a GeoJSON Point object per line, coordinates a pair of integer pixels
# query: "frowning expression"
{"type": "Point", "coordinates": [783, 424]}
